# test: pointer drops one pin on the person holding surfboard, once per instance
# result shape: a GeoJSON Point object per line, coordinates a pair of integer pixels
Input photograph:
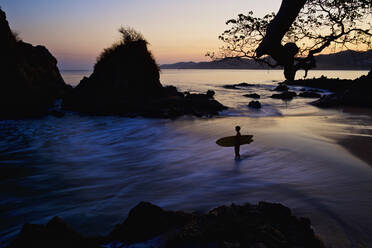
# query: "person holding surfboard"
{"type": "Point", "coordinates": [237, 142]}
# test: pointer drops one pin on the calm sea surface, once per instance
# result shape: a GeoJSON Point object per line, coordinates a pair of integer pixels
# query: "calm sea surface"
{"type": "Point", "coordinates": [92, 170]}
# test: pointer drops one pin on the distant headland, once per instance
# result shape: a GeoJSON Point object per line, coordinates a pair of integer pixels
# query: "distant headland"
{"type": "Point", "coordinates": [345, 60]}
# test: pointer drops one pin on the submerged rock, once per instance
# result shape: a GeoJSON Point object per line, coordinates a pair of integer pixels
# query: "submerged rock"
{"type": "Point", "coordinates": [30, 79]}
{"type": "Point", "coordinates": [264, 225]}
{"type": "Point", "coordinates": [254, 104]}
{"type": "Point", "coordinates": [254, 95]}
{"type": "Point", "coordinates": [125, 81]}
{"type": "Point", "coordinates": [287, 95]}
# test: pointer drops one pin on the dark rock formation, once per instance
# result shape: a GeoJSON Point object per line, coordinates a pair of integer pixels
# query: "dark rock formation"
{"type": "Point", "coordinates": [286, 95]}
{"type": "Point", "coordinates": [359, 94]}
{"type": "Point", "coordinates": [331, 84]}
{"type": "Point", "coordinates": [254, 104]}
{"type": "Point", "coordinates": [125, 81]}
{"type": "Point", "coordinates": [30, 80]}
{"type": "Point", "coordinates": [263, 225]}
{"type": "Point", "coordinates": [355, 93]}
{"type": "Point", "coordinates": [310, 94]}
{"type": "Point", "coordinates": [281, 87]}
{"type": "Point", "coordinates": [254, 95]}
{"type": "Point", "coordinates": [146, 221]}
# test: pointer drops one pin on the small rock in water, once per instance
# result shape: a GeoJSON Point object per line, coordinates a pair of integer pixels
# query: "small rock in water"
{"type": "Point", "coordinates": [230, 87]}
{"type": "Point", "coordinates": [244, 84]}
{"type": "Point", "coordinates": [235, 86]}
{"type": "Point", "coordinates": [287, 95]}
{"type": "Point", "coordinates": [281, 87]}
{"type": "Point", "coordinates": [254, 104]}
{"type": "Point", "coordinates": [254, 95]}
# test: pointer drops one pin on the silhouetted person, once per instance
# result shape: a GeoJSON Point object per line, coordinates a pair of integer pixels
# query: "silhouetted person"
{"type": "Point", "coordinates": [237, 142]}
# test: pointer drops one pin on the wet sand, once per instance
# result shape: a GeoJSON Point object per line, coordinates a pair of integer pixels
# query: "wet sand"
{"type": "Point", "coordinates": [356, 133]}
{"type": "Point", "coordinates": [359, 146]}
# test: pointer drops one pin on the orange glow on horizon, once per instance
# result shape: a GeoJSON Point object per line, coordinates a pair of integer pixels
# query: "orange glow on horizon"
{"type": "Point", "coordinates": [76, 32]}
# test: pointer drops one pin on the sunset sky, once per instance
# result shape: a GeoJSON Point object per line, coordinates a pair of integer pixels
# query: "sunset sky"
{"type": "Point", "coordinates": [76, 31]}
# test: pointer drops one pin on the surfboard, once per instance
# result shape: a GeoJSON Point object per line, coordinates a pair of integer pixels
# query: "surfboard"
{"type": "Point", "coordinates": [230, 140]}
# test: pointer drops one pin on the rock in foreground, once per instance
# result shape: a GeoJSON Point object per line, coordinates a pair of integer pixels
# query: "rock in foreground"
{"type": "Point", "coordinates": [54, 234]}
{"type": "Point", "coordinates": [125, 81]}
{"type": "Point", "coordinates": [263, 225]}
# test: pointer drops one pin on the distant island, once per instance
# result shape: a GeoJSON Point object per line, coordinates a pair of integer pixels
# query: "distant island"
{"type": "Point", "coordinates": [345, 60]}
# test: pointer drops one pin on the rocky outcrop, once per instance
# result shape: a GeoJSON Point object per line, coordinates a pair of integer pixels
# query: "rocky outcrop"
{"type": "Point", "coordinates": [331, 84]}
{"type": "Point", "coordinates": [146, 221]}
{"type": "Point", "coordinates": [30, 80]}
{"type": "Point", "coordinates": [125, 81]}
{"type": "Point", "coordinates": [264, 225]}
{"type": "Point", "coordinates": [359, 94]}
{"type": "Point", "coordinates": [355, 93]}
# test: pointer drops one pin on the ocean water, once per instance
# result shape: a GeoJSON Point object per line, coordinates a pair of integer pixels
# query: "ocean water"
{"type": "Point", "coordinates": [92, 170]}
